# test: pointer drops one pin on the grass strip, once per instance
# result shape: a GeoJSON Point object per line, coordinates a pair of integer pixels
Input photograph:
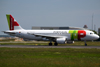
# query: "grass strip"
{"type": "Point", "coordinates": [49, 57]}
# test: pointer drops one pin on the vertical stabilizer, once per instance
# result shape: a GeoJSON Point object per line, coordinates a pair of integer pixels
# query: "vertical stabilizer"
{"type": "Point", "coordinates": [12, 23]}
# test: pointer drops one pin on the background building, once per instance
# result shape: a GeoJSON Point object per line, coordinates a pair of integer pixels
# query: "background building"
{"type": "Point", "coordinates": [85, 26]}
{"type": "Point", "coordinates": [98, 30]}
{"type": "Point", "coordinates": [58, 28]}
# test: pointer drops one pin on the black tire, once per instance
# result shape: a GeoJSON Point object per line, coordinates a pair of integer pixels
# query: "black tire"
{"type": "Point", "coordinates": [50, 44]}
{"type": "Point", "coordinates": [85, 44]}
{"type": "Point", "coordinates": [55, 44]}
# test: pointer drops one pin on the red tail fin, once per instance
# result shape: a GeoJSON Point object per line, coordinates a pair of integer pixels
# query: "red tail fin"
{"type": "Point", "coordinates": [13, 25]}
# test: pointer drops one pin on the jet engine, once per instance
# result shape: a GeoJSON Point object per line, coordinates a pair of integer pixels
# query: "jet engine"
{"type": "Point", "coordinates": [61, 40]}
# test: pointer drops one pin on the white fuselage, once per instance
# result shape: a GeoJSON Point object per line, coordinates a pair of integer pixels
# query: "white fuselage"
{"type": "Point", "coordinates": [44, 34]}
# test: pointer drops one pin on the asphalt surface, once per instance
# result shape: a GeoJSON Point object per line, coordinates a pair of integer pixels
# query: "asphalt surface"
{"type": "Point", "coordinates": [33, 46]}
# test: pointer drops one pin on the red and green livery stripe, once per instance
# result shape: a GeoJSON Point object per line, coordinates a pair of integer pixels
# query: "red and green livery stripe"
{"type": "Point", "coordinates": [77, 34]}
{"type": "Point", "coordinates": [8, 19]}
{"type": "Point", "coordinates": [74, 34]}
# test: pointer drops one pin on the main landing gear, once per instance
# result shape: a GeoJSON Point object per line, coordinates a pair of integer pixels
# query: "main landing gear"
{"type": "Point", "coordinates": [50, 44]}
{"type": "Point", "coordinates": [55, 44]}
{"type": "Point", "coordinates": [85, 43]}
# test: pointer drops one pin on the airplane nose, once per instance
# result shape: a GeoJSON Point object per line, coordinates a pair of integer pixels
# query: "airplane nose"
{"type": "Point", "coordinates": [96, 37]}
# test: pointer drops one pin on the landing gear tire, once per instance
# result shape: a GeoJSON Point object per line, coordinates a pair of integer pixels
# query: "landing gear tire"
{"type": "Point", "coordinates": [85, 43]}
{"type": "Point", "coordinates": [55, 44]}
{"type": "Point", "coordinates": [50, 44]}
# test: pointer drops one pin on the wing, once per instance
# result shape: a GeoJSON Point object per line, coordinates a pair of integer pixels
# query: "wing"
{"type": "Point", "coordinates": [48, 36]}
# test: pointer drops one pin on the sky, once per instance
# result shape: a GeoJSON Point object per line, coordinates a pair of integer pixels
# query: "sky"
{"type": "Point", "coordinates": [52, 13]}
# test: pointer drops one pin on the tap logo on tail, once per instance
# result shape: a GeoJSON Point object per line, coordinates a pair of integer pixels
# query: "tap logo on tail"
{"type": "Point", "coordinates": [12, 23]}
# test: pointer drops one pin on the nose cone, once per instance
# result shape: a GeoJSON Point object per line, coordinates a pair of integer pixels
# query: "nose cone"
{"type": "Point", "coordinates": [96, 37]}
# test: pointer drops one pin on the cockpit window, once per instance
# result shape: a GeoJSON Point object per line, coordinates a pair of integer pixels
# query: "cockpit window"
{"type": "Point", "coordinates": [91, 33]}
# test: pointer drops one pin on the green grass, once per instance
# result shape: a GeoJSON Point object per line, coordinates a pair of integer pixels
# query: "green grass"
{"type": "Point", "coordinates": [4, 40]}
{"type": "Point", "coordinates": [49, 57]}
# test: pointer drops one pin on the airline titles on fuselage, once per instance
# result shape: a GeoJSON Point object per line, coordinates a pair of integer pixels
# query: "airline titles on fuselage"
{"type": "Point", "coordinates": [60, 32]}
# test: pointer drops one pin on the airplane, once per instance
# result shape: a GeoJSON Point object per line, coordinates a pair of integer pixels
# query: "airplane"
{"type": "Point", "coordinates": [56, 36]}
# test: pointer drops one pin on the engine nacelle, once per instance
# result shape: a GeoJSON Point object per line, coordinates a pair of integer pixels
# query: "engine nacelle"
{"type": "Point", "coordinates": [26, 39]}
{"type": "Point", "coordinates": [61, 40]}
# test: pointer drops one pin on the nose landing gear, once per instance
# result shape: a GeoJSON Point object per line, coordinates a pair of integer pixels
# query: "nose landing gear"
{"type": "Point", "coordinates": [85, 43]}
